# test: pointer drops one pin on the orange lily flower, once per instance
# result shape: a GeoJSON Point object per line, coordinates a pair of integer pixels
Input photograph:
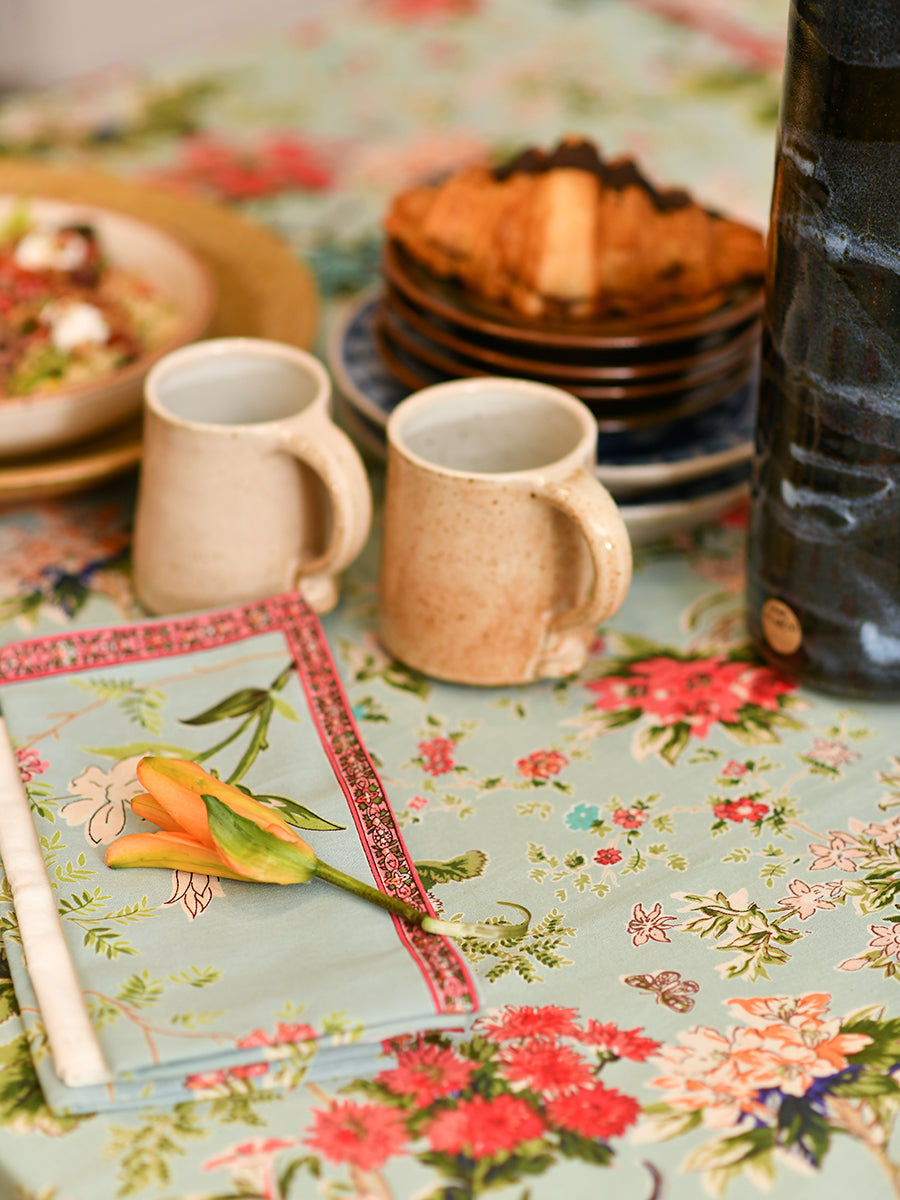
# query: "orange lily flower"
{"type": "Point", "coordinates": [213, 828]}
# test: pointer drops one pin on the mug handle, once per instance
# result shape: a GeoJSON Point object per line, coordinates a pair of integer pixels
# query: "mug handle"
{"type": "Point", "coordinates": [330, 453]}
{"type": "Point", "coordinates": [586, 502]}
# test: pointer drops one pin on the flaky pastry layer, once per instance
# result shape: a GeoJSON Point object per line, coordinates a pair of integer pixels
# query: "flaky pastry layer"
{"type": "Point", "coordinates": [573, 241]}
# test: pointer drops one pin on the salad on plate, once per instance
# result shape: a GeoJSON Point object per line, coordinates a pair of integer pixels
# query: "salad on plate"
{"type": "Point", "coordinates": [68, 314]}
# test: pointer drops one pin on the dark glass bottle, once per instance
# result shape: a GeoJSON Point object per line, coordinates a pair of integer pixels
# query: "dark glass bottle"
{"type": "Point", "coordinates": [824, 534]}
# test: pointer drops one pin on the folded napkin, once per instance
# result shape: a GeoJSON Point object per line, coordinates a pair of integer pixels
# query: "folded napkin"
{"type": "Point", "coordinates": [148, 986]}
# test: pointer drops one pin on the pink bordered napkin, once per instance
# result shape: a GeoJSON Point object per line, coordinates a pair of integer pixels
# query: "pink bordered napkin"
{"type": "Point", "coordinates": [145, 985]}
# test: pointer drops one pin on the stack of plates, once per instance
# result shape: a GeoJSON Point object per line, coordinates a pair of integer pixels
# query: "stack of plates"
{"type": "Point", "coordinates": [669, 470]}
{"type": "Point", "coordinates": [630, 373]}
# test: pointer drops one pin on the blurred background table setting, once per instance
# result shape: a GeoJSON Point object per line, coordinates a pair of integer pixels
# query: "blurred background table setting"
{"type": "Point", "coordinates": [704, 998]}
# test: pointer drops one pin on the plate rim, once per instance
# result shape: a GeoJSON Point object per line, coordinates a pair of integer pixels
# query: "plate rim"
{"type": "Point", "coordinates": [336, 364]}
{"type": "Point", "coordinates": [681, 515]}
{"type": "Point", "coordinates": [613, 415]}
{"type": "Point", "coordinates": [86, 465]}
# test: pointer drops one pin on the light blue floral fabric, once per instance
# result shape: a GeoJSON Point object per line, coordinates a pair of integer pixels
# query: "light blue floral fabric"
{"type": "Point", "coordinates": [707, 1000]}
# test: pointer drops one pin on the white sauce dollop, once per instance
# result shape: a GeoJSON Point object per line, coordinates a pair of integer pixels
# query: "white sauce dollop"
{"type": "Point", "coordinates": [73, 324]}
{"type": "Point", "coordinates": [51, 250]}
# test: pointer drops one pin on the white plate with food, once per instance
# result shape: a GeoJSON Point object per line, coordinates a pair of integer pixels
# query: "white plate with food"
{"type": "Point", "coordinates": [90, 299]}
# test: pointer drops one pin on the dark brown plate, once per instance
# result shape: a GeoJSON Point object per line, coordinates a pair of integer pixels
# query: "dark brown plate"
{"type": "Point", "coordinates": [648, 394]}
{"type": "Point", "coordinates": [612, 415]}
{"type": "Point", "coordinates": [454, 303]}
{"type": "Point", "coordinates": [431, 332]}
{"type": "Point", "coordinates": [650, 360]}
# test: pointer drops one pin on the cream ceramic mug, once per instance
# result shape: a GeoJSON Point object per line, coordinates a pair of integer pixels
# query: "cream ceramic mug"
{"type": "Point", "coordinates": [247, 487]}
{"type": "Point", "coordinates": [502, 551]}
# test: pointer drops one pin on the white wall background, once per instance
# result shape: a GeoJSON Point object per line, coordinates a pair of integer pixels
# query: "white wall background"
{"type": "Point", "coordinates": [46, 41]}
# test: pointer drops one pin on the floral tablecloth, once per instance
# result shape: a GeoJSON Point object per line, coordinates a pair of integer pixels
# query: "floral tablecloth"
{"type": "Point", "coordinates": [711, 855]}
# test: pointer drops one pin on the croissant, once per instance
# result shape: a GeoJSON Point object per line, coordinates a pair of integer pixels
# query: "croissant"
{"type": "Point", "coordinates": [571, 235]}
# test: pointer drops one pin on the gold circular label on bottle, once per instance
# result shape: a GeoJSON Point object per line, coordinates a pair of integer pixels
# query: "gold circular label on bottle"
{"type": "Point", "coordinates": [780, 627]}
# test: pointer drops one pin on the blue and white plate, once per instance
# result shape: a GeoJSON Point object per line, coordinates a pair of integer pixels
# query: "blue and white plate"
{"type": "Point", "coordinates": [665, 512]}
{"type": "Point", "coordinates": [705, 447]}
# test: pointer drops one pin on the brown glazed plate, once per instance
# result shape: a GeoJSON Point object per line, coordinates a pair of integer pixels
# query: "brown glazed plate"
{"type": "Point", "coordinates": [511, 357]}
{"type": "Point", "coordinates": [599, 383]}
{"type": "Point", "coordinates": [613, 411]}
{"type": "Point", "coordinates": [452, 302]}
{"type": "Point", "coordinates": [72, 469]}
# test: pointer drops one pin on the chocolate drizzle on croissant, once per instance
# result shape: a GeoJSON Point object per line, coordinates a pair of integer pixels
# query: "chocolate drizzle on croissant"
{"type": "Point", "coordinates": [569, 234]}
{"type": "Point", "coordinates": [580, 155]}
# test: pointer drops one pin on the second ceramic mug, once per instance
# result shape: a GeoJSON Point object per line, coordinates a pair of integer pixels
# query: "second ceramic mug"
{"type": "Point", "coordinates": [502, 551]}
{"type": "Point", "coordinates": [247, 487]}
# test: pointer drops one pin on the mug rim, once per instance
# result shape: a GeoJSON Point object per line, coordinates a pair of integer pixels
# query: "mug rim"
{"type": "Point", "coordinates": [210, 348]}
{"type": "Point", "coordinates": [425, 397]}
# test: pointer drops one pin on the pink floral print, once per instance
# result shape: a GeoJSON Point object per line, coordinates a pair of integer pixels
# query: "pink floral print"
{"type": "Point", "coordinates": [215, 168]}
{"type": "Point", "coordinates": [484, 1128]}
{"type": "Point", "coordinates": [549, 1022]}
{"type": "Point", "coordinates": [544, 1066]}
{"type": "Point", "coordinates": [806, 899]}
{"type": "Point", "coordinates": [594, 1112]}
{"type": "Point", "coordinates": [629, 818]}
{"type": "Point", "coordinates": [103, 799]}
{"type": "Point", "coordinates": [781, 1082]}
{"type": "Point", "coordinates": [542, 765]}
{"type": "Point", "coordinates": [363, 1135]}
{"type": "Point", "coordinates": [439, 755]}
{"type": "Point", "coordinates": [29, 763]}
{"type": "Point", "coordinates": [426, 1071]}
{"type": "Point", "coordinates": [699, 692]}
{"type": "Point", "coordinates": [649, 926]}
{"type": "Point", "coordinates": [743, 809]}
{"type": "Point", "coordinates": [253, 1164]}
{"type": "Point", "coordinates": [783, 1046]}
{"type": "Point", "coordinates": [842, 852]}
{"type": "Point", "coordinates": [608, 856]}
{"type": "Point", "coordinates": [523, 1090]}
{"type": "Point", "coordinates": [679, 699]}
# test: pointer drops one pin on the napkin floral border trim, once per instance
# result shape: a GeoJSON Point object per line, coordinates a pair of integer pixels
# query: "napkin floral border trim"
{"type": "Point", "coordinates": [443, 969]}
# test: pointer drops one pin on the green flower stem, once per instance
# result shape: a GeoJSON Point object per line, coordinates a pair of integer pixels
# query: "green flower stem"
{"type": "Point", "coordinates": [455, 929]}
{"type": "Point", "coordinates": [342, 880]}
{"type": "Point", "coordinates": [259, 853]}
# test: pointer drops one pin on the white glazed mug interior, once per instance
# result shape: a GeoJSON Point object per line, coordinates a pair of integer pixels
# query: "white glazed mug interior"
{"type": "Point", "coordinates": [231, 383]}
{"type": "Point", "coordinates": [492, 427]}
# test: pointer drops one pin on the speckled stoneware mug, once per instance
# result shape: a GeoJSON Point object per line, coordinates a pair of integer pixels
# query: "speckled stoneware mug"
{"type": "Point", "coordinates": [502, 551]}
{"type": "Point", "coordinates": [247, 487]}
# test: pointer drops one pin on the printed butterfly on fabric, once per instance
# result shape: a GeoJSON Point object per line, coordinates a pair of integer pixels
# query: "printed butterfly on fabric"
{"type": "Point", "coordinates": [671, 990]}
